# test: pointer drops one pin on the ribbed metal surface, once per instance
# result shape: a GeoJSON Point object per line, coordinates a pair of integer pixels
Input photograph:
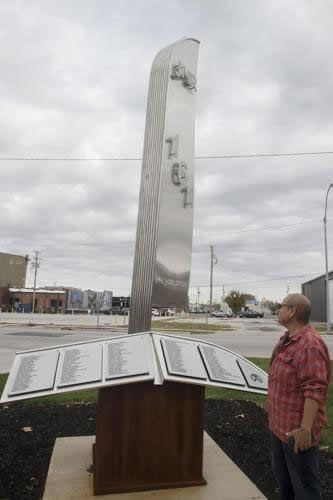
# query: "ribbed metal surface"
{"type": "Point", "coordinates": [150, 219]}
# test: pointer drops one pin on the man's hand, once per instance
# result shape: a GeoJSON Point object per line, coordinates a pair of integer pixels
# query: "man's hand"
{"type": "Point", "coordinates": [302, 439]}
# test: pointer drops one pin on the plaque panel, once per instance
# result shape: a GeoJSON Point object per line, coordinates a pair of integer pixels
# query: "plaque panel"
{"type": "Point", "coordinates": [183, 359]}
{"type": "Point", "coordinates": [255, 378]}
{"type": "Point", "coordinates": [81, 364]}
{"type": "Point", "coordinates": [221, 365]}
{"type": "Point", "coordinates": [127, 357]}
{"type": "Point", "coordinates": [35, 373]}
{"type": "Point", "coordinates": [217, 365]}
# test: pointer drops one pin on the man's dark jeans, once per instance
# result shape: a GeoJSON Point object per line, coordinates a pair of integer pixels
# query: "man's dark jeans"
{"type": "Point", "coordinates": [297, 475]}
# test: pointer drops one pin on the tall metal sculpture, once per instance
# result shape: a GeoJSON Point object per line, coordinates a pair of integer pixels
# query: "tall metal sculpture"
{"type": "Point", "coordinates": [151, 436]}
{"type": "Point", "coordinates": [165, 220]}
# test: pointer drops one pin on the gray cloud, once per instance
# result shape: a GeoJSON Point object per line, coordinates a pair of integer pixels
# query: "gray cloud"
{"type": "Point", "coordinates": [75, 82]}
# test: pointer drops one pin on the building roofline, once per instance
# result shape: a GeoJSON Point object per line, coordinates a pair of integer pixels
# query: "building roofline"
{"type": "Point", "coordinates": [38, 290]}
{"type": "Point", "coordinates": [330, 276]}
{"type": "Point", "coordinates": [14, 255]}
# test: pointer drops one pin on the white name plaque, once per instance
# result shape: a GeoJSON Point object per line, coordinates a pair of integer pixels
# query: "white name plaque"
{"type": "Point", "coordinates": [81, 364]}
{"type": "Point", "coordinates": [36, 372]}
{"type": "Point", "coordinates": [127, 357]}
{"type": "Point", "coordinates": [255, 378]}
{"type": "Point", "coordinates": [221, 366]}
{"type": "Point", "coordinates": [183, 359]}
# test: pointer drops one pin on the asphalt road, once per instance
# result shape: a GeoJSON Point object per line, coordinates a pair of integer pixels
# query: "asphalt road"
{"type": "Point", "coordinates": [255, 338]}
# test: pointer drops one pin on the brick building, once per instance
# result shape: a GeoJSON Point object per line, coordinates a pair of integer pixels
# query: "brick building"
{"type": "Point", "coordinates": [47, 301]}
{"type": "Point", "coordinates": [13, 271]}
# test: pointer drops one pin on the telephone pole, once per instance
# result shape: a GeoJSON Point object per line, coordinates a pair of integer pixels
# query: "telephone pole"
{"type": "Point", "coordinates": [198, 298]}
{"type": "Point", "coordinates": [36, 265]}
{"type": "Point", "coordinates": [223, 293]}
{"type": "Point", "coordinates": [213, 261]}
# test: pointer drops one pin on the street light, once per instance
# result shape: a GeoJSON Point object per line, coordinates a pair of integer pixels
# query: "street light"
{"type": "Point", "coordinates": [328, 320]}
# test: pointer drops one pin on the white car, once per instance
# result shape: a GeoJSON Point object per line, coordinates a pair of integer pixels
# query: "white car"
{"type": "Point", "coordinates": [221, 313]}
{"type": "Point", "coordinates": [155, 312]}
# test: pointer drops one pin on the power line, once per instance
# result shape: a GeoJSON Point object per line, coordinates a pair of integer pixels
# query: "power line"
{"type": "Point", "coordinates": [262, 281]}
{"type": "Point", "coordinates": [63, 243]}
{"type": "Point", "coordinates": [201, 157]}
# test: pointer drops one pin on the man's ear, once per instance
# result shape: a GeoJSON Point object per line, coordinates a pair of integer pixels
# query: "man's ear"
{"type": "Point", "coordinates": [293, 312]}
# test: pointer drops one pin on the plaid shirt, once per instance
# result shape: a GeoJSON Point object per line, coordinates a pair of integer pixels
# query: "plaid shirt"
{"type": "Point", "coordinates": [300, 368]}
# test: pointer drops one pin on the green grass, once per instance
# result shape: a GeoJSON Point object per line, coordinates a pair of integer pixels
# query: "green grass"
{"type": "Point", "coordinates": [85, 396]}
{"type": "Point", "coordinates": [169, 326]}
{"type": "Point", "coordinates": [220, 393]}
{"type": "Point", "coordinates": [321, 328]}
{"type": "Point", "coordinates": [90, 396]}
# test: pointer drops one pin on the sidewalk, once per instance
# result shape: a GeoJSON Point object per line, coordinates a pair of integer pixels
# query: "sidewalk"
{"type": "Point", "coordinates": [75, 320]}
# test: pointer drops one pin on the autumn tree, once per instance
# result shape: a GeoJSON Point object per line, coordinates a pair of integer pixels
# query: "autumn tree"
{"type": "Point", "coordinates": [248, 297]}
{"type": "Point", "coordinates": [272, 306]}
{"type": "Point", "coordinates": [235, 301]}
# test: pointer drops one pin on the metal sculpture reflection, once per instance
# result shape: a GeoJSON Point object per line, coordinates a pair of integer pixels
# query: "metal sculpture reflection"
{"type": "Point", "coordinates": [165, 220]}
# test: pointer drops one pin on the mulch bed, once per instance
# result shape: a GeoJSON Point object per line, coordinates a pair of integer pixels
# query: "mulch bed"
{"type": "Point", "coordinates": [238, 427]}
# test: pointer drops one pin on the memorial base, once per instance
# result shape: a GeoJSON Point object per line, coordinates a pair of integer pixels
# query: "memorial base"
{"type": "Point", "coordinates": [148, 437]}
{"type": "Point", "coordinates": [69, 476]}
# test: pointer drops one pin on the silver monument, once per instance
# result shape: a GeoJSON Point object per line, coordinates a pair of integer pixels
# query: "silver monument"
{"type": "Point", "coordinates": [165, 219]}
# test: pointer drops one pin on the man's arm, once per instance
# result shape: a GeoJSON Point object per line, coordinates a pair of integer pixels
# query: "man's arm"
{"type": "Point", "coordinates": [309, 414]}
{"type": "Point", "coordinates": [302, 436]}
{"type": "Point", "coordinates": [313, 378]}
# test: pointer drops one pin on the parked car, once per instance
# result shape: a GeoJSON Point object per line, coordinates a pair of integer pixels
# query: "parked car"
{"type": "Point", "coordinates": [123, 311]}
{"type": "Point", "coordinates": [166, 311]}
{"type": "Point", "coordinates": [155, 312]}
{"type": "Point", "coordinates": [251, 314]}
{"type": "Point", "coordinates": [221, 313]}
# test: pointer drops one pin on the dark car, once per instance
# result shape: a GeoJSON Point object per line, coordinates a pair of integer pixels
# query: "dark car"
{"type": "Point", "coordinates": [123, 311]}
{"type": "Point", "coordinates": [251, 314]}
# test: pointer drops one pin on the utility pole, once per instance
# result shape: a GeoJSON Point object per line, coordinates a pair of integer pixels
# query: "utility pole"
{"type": "Point", "coordinates": [97, 304]}
{"type": "Point", "coordinates": [36, 265]}
{"type": "Point", "coordinates": [223, 293]}
{"type": "Point", "coordinates": [328, 313]}
{"type": "Point", "coordinates": [213, 261]}
{"type": "Point", "coordinates": [198, 298]}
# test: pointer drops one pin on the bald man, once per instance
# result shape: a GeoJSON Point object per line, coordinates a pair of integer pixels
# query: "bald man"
{"type": "Point", "coordinates": [297, 392]}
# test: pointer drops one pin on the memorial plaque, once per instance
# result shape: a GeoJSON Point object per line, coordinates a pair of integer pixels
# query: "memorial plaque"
{"type": "Point", "coordinates": [183, 359]}
{"type": "Point", "coordinates": [36, 372]}
{"type": "Point", "coordinates": [81, 364]}
{"type": "Point", "coordinates": [221, 365]}
{"type": "Point", "coordinates": [255, 378]}
{"type": "Point", "coordinates": [127, 357]}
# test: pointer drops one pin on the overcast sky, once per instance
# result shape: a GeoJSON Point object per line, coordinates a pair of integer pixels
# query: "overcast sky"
{"type": "Point", "coordinates": [74, 83]}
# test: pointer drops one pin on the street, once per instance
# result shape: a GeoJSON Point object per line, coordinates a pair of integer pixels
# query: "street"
{"type": "Point", "coordinates": [249, 337]}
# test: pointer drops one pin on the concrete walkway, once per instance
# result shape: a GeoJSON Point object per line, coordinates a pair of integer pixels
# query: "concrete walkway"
{"type": "Point", "coordinates": [69, 476]}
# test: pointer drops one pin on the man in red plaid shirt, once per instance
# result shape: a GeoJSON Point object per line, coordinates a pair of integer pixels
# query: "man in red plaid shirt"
{"type": "Point", "coordinates": [297, 391]}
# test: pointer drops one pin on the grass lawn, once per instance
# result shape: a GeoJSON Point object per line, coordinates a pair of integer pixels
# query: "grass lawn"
{"type": "Point", "coordinates": [217, 393]}
{"type": "Point", "coordinates": [90, 396]}
{"type": "Point", "coordinates": [172, 326]}
{"type": "Point", "coordinates": [322, 328]}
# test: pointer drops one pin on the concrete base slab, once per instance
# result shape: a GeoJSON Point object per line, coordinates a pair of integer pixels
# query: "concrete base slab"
{"type": "Point", "coordinates": [68, 476]}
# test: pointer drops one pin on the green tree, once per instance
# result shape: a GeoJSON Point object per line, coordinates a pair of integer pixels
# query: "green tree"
{"type": "Point", "coordinates": [272, 306]}
{"type": "Point", "coordinates": [235, 301]}
{"type": "Point", "coordinates": [249, 297]}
